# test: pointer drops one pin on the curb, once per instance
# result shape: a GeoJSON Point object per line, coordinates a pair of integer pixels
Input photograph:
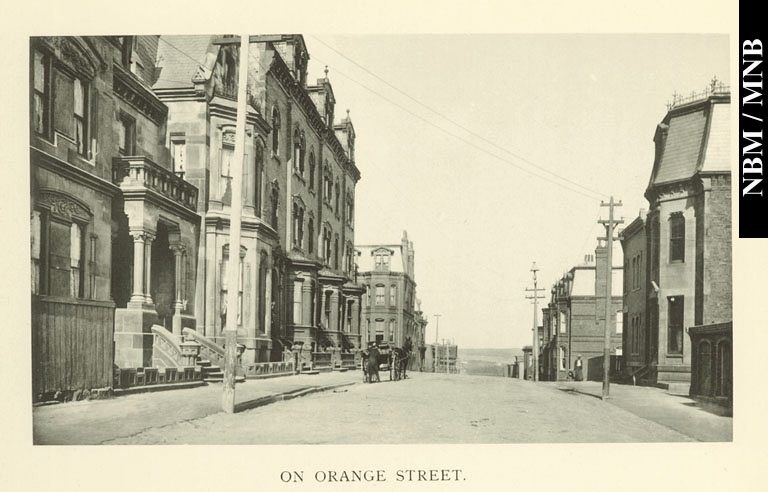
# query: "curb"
{"type": "Point", "coordinates": [289, 395]}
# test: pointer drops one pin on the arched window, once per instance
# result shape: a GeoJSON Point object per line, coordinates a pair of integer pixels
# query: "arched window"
{"type": "Point", "coordinates": [302, 148]}
{"type": "Point", "coordinates": [336, 253]}
{"type": "Point", "coordinates": [393, 295]}
{"type": "Point", "coordinates": [275, 131]}
{"type": "Point", "coordinates": [677, 237]}
{"type": "Point", "coordinates": [563, 358]}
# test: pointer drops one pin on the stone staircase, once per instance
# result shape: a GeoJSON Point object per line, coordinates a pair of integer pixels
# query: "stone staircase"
{"type": "Point", "coordinates": [212, 373]}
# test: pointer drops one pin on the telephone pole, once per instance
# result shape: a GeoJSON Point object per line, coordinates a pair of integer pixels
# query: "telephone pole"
{"type": "Point", "coordinates": [233, 272]}
{"type": "Point", "coordinates": [535, 296]}
{"type": "Point", "coordinates": [437, 330]}
{"type": "Point", "coordinates": [609, 227]}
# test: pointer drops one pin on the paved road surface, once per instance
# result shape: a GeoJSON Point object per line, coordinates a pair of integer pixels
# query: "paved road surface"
{"type": "Point", "coordinates": [430, 408]}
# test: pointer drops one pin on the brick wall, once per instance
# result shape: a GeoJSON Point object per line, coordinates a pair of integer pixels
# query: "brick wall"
{"type": "Point", "coordinates": [717, 274]}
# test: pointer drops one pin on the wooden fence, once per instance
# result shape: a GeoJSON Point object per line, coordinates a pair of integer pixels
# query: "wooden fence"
{"type": "Point", "coordinates": [72, 344]}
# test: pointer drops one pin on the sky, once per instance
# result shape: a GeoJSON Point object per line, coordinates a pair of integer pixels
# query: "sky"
{"type": "Point", "coordinates": [549, 126]}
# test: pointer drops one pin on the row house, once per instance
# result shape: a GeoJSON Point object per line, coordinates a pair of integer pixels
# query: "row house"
{"type": "Point", "coordinates": [678, 290]}
{"type": "Point", "coordinates": [391, 313]}
{"type": "Point", "coordinates": [573, 322]}
{"type": "Point", "coordinates": [111, 225]}
{"type": "Point", "coordinates": [131, 142]}
{"type": "Point", "coordinates": [296, 260]}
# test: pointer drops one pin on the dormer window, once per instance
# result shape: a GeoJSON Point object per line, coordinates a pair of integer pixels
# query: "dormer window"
{"type": "Point", "coordinates": [382, 261]}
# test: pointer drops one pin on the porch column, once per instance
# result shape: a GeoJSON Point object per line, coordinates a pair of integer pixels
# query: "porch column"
{"type": "Point", "coordinates": [148, 238]}
{"type": "Point", "coordinates": [334, 321]}
{"type": "Point", "coordinates": [137, 296]}
{"type": "Point", "coordinates": [306, 303]}
{"type": "Point", "coordinates": [355, 308]}
{"type": "Point", "coordinates": [178, 305]}
{"type": "Point", "coordinates": [322, 310]}
{"type": "Point", "coordinates": [268, 302]}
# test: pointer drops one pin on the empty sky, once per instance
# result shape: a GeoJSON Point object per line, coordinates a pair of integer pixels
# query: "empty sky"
{"type": "Point", "coordinates": [584, 107]}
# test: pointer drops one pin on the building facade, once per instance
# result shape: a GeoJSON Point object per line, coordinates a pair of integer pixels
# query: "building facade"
{"type": "Point", "coordinates": [391, 313]}
{"type": "Point", "coordinates": [131, 143]}
{"type": "Point", "coordinates": [687, 245]}
{"type": "Point", "coordinates": [574, 319]}
{"type": "Point", "coordinates": [637, 343]}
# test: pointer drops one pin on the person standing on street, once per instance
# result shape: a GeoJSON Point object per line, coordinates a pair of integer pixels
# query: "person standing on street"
{"type": "Point", "coordinates": [579, 376]}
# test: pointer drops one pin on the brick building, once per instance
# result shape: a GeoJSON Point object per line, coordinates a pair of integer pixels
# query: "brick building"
{"type": "Point", "coordinates": [637, 344]}
{"type": "Point", "coordinates": [389, 311]}
{"type": "Point", "coordinates": [573, 321]}
{"type": "Point", "coordinates": [687, 246]}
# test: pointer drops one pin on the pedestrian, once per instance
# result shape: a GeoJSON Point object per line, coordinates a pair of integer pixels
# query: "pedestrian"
{"type": "Point", "coordinates": [579, 371]}
{"type": "Point", "coordinates": [373, 363]}
{"type": "Point", "coordinates": [422, 351]}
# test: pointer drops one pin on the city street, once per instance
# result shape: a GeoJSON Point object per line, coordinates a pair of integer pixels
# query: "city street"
{"type": "Point", "coordinates": [425, 408]}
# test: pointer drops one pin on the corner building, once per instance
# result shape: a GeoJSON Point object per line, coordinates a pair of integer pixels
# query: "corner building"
{"type": "Point", "coordinates": [391, 313]}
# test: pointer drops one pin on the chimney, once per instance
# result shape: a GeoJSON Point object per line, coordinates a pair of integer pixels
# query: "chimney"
{"type": "Point", "coordinates": [601, 266]}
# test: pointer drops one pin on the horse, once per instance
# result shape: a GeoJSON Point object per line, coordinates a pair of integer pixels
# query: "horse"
{"type": "Point", "coordinates": [399, 363]}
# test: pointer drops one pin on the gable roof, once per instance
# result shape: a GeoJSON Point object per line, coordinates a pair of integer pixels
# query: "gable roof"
{"type": "Point", "coordinates": [179, 57]}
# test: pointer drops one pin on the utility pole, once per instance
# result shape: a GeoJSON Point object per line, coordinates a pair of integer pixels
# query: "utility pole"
{"type": "Point", "coordinates": [609, 227]}
{"type": "Point", "coordinates": [535, 296]}
{"type": "Point", "coordinates": [233, 273]}
{"type": "Point", "coordinates": [437, 331]}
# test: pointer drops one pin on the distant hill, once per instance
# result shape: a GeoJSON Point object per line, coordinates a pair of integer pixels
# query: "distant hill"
{"type": "Point", "coordinates": [502, 355]}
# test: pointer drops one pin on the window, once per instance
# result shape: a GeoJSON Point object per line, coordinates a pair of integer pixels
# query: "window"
{"type": "Point", "coordinates": [675, 317]}
{"type": "Point", "coordinates": [336, 198]}
{"type": "Point", "coordinates": [349, 316]}
{"type": "Point", "coordinates": [328, 295]}
{"type": "Point", "coordinates": [258, 170]}
{"type": "Point", "coordinates": [227, 154]}
{"type": "Point", "coordinates": [225, 286]}
{"type": "Point", "coordinates": [298, 226]}
{"type": "Point", "coordinates": [57, 256]}
{"type": "Point", "coordinates": [80, 96]}
{"type": "Point", "coordinates": [350, 211]}
{"type": "Point", "coordinates": [562, 322]}
{"type": "Point", "coordinates": [311, 171]}
{"type": "Point", "coordinates": [336, 253]}
{"type": "Point", "coordinates": [178, 154]}
{"type": "Point", "coordinates": [379, 330]}
{"type": "Point", "coordinates": [379, 295]}
{"type": "Point", "coordinates": [619, 322]}
{"type": "Point", "coordinates": [40, 94]}
{"type": "Point", "coordinates": [634, 272]}
{"type": "Point", "coordinates": [297, 307]}
{"type": "Point", "coordinates": [126, 135]}
{"type": "Point", "coordinates": [275, 131]}
{"type": "Point", "coordinates": [393, 295]}
{"type": "Point", "coordinates": [311, 232]}
{"type": "Point", "coordinates": [392, 327]}
{"type": "Point", "coordinates": [275, 203]}
{"type": "Point", "coordinates": [677, 237]}
{"type": "Point", "coordinates": [261, 323]}
{"type": "Point", "coordinates": [562, 358]}
{"type": "Point", "coordinates": [367, 296]}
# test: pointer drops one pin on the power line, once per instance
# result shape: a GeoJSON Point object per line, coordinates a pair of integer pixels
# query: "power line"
{"type": "Point", "coordinates": [459, 125]}
{"type": "Point", "coordinates": [592, 196]}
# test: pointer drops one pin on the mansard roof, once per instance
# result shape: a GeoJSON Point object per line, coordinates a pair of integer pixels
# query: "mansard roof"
{"type": "Point", "coordinates": [180, 57]}
{"type": "Point", "coordinates": [692, 138]}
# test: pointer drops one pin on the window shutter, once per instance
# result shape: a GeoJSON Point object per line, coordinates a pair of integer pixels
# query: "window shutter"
{"type": "Point", "coordinates": [64, 105]}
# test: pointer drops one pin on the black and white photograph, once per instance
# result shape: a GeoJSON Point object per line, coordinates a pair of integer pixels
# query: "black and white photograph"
{"type": "Point", "coordinates": [315, 239]}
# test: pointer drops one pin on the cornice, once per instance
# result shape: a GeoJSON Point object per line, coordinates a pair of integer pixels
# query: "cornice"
{"type": "Point", "coordinates": [130, 90]}
{"type": "Point", "coordinates": [63, 168]}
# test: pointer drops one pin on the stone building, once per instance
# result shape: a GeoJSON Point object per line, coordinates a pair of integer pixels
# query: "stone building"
{"type": "Point", "coordinates": [131, 141]}
{"type": "Point", "coordinates": [110, 221]}
{"type": "Point", "coordinates": [573, 323]}
{"type": "Point", "coordinates": [688, 249]}
{"type": "Point", "coordinates": [296, 258]}
{"type": "Point", "coordinates": [389, 313]}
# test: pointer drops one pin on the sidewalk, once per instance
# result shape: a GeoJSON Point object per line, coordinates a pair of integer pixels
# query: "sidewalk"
{"type": "Point", "coordinates": [96, 421]}
{"type": "Point", "coordinates": [675, 412]}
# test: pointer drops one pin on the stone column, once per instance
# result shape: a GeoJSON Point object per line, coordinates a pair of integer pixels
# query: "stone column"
{"type": "Point", "coordinates": [306, 302]}
{"type": "Point", "coordinates": [355, 307]}
{"type": "Point", "coordinates": [322, 308]}
{"type": "Point", "coordinates": [178, 305]}
{"type": "Point", "coordinates": [137, 296]}
{"type": "Point", "coordinates": [334, 321]}
{"type": "Point", "coordinates": [148, 238]}
{"type": "Point", "coordinates": [268, 302]}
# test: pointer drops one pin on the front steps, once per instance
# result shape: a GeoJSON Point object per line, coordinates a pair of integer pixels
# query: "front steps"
{"type": "Point", "coordinates": [212, 373]}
